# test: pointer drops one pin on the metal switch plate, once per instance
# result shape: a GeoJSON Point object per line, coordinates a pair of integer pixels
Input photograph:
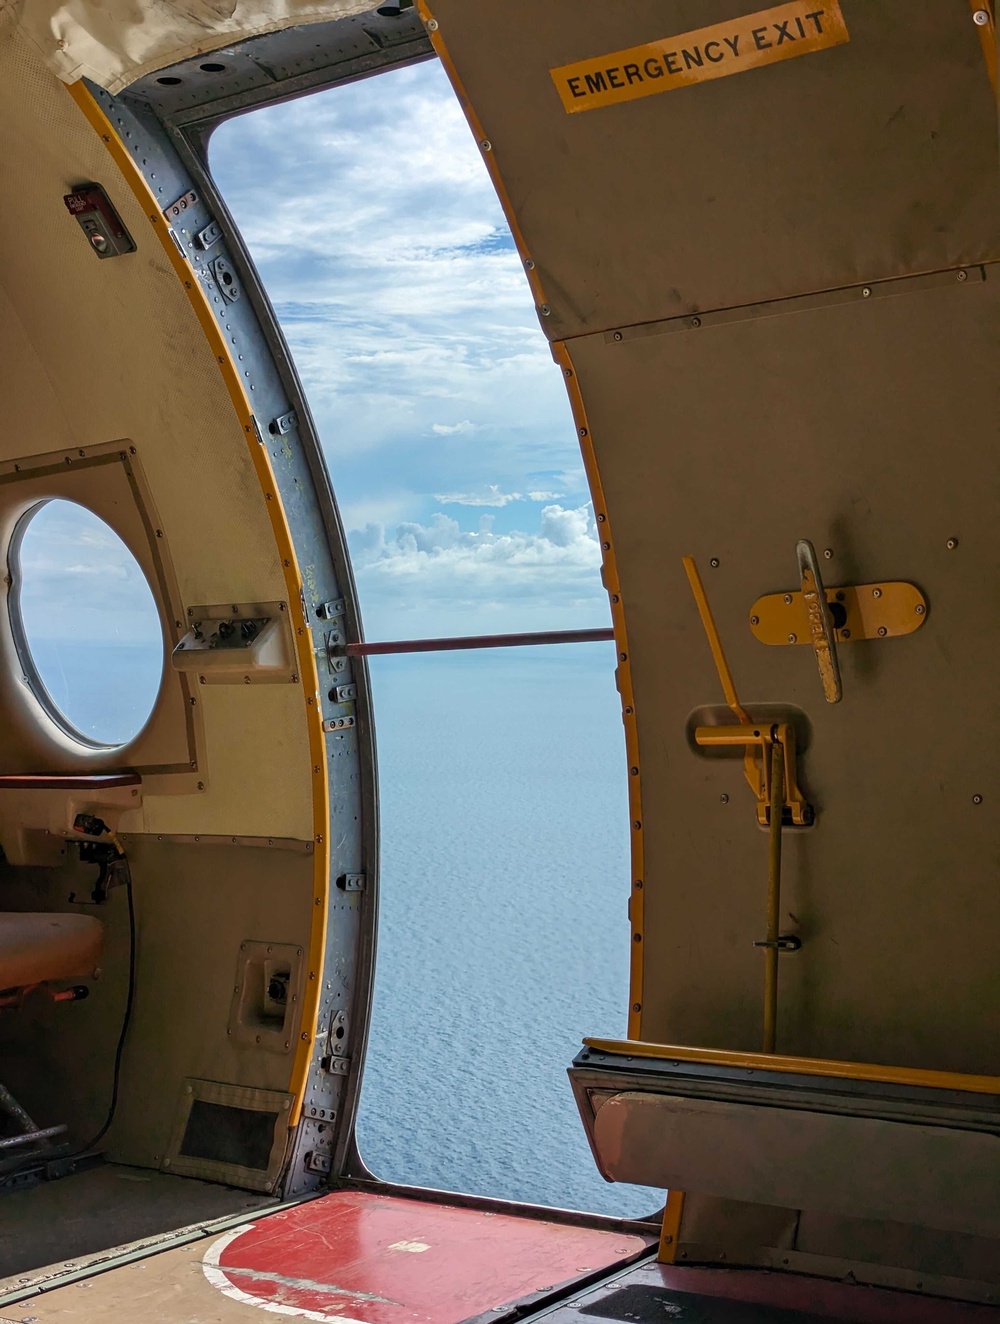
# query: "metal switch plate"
{"type": "Point", "coordinates": [99, 221]}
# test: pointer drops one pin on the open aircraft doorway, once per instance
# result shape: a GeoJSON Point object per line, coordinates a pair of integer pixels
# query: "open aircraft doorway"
{"type": "Point", "coordinates": [453, 452]}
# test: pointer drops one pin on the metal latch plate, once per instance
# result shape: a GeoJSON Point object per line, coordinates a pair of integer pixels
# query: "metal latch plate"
{"type": "Point", "coordinates": [860, 611]}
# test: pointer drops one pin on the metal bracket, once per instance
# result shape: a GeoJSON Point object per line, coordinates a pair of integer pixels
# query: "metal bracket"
{"type": "Point", "coordinates": [210, 235]}
{"type": "Point", "coordinates": [328, 611]}
{"type": "Point", "coordinates": [859, 611]}
{"type": "Point", "coordinates": [797, 812]}
{"type": "Point", "coordinates": [283, 424]}
{"type": "Point", "coordinates": [225, 278]}
{"type": "Point", "coordinates": [351, 882]}
{"type": "Point", "coordinates": [344, 693]}
{"type": "Point", "coordinates": [177, 209]}
{"type": "Point", "coordinates": [337, 723]}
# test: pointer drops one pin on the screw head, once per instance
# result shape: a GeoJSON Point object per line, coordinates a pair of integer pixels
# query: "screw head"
{"type": "Point", "coordinates": [432, 25]}
{"type": "Point", "coordinates": [788, 599]}
{"type": "Point", "coordinates": [545, 310]}
{"type": "Point", "coordinates": [962, 275]}
{"type": "Point", "coordinates": [981, 18]}
{"type": "Point", "coordinates": [618, 335]}
{"type": "Point", "coordinates": [882, 631]}
{"type": "Point", "coordinates": [793, 638]}
{"type": "Point", "coordinates": [845, 634]}
{"type": "Point", "coordinates": [866, 292]}
{"type": "Point", "coordinates": [828, 553]}
{"type": "Point", "coordinates": [724, 799]}
{"type": "Point", "coordinates": [714, 563]}
{"type": "Point", "coordinates": [755, 620]}
{"type": "Point", "coordinates": [876, 592]}
{"type": "Point", "coordinates": [486, 145]}
{"type": "Point", "coordinates": [919, 609]}
{"type": "Point", "coordinates": [696, 321]}
{"type": "Point", "coordinates": [951, 544]}
{"type": "Point", "coordinates": [977, 799]}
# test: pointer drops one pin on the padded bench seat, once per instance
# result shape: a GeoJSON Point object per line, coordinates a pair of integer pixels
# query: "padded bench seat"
{"type": "Point", "coordinates": [37, 948]}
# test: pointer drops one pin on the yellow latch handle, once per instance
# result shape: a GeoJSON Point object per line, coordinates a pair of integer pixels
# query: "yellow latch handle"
{"type": "Point", "coordinates": [820, 621]}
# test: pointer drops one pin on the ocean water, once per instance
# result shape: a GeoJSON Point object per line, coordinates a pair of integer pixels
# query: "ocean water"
{"type": "Point", "coordinates": [504, 937]}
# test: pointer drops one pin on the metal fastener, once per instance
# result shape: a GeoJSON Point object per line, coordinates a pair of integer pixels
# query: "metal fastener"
{"type": "Point", "coordinates": [882, 631]}
{"type": "Point", "coordinates": [845, 634]}
{"type": "Point", "coordinates": [714, 563]}
{"type": "Point", "coordinates": [919, 609]}
{"type": "Point", "coordinates": [486, 145]}
{"type": "Point", "coordinates": [828, 553]}
{"type": "Point", "coordinates": [696, 321]}
{"type": "Point", "coordinates": [724, 799]}
{"type": "Point", "coordinates": [951, 544]}
{"type": "Point", "coordinates": [618, 335]}
{"type": "Point", "coordinates": [793, 638]}
{"type": "Point", "coordinates": [876, 592]}
{"type": "Point", "coordinates": [432, 25]}
{"type": "Point", "coordinates": [981, 18]}
{"type": "Point", "coordinates": [866, 292]}
{"type": "Point", "coordinates": [755, 620]}
{"type": "Point", "coordinates": [977, 799]}
{"type": "Point", "coordinates": [962, 275]}
{"type": "Point", "coordinates": [545, 310]}
{"type": "Point", "coordinates": [788, 599]}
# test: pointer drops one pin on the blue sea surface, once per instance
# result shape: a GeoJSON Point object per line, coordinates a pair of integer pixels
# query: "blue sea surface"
{"type": "Point", "coordinates": [504, 936]}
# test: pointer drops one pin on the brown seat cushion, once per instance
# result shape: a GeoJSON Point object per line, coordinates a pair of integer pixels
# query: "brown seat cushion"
{"type": "Point", "coordinates": [39, 947]}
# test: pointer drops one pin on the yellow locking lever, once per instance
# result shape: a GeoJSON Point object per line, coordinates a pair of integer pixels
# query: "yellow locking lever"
{"type": "Point", "coordinates": [820, 621]}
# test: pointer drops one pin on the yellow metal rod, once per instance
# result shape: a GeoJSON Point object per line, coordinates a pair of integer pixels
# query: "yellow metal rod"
{"type": "Point", "coordinates": [773, 897]}
{"type": "Point", "coordinates": [714, 642]}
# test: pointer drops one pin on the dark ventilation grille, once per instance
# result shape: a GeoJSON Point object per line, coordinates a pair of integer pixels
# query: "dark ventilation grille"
{"type": "Point", "coordinates": [243, 1137]}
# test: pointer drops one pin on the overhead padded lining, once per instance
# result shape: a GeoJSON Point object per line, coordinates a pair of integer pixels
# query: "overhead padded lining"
{"type": "Point", "coordinates": [115, 44]}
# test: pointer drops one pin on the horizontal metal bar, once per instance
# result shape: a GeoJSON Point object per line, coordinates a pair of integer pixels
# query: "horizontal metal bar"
{"type": "Point", "coordinates": [31, 1137]}
{"type": "Point", "coordinates": [479, 641]}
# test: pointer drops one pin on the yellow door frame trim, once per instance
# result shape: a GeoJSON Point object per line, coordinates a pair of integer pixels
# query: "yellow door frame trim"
{"type": "Point", "coordinates": [308, 675]}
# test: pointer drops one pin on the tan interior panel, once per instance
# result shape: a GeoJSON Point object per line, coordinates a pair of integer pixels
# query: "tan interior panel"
{"type": "Point", "coordinates": [864, 161]}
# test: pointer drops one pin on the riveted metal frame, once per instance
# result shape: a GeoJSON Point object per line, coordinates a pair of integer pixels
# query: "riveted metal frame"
{"type": "Point", "coordinates": [166, 143]}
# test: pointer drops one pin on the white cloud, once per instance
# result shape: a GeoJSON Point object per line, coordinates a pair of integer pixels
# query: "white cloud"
{"type": "Point", "coordinates": [465, 428]}
{"type": "Point", "coordinates": [492, 497]}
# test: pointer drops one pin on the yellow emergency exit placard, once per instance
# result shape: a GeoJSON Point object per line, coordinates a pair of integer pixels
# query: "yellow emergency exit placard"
{"type": "Point", "coordinates": [695, 57]}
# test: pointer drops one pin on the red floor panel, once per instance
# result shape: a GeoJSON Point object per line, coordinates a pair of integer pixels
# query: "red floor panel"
{"type": "Point", "coordinates": [378, 1259]}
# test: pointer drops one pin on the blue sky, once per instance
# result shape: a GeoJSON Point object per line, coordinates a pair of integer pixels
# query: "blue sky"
{"type": "Point", "coordinates": [442, 417]}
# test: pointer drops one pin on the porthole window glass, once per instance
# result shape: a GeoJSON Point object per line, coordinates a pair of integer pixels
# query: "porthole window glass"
{"type": "Point", "coordinates": [85, 623]}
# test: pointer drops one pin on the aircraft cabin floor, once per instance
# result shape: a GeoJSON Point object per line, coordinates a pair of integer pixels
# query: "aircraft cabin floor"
{"type": "Point", "coordinates": [377, 1257]}
{"type": "Point", "coordinates": [60, 1222]}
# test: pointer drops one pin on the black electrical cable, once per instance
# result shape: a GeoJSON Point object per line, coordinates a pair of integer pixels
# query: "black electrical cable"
{"type": "Point", "coordinates": [126, 1019]}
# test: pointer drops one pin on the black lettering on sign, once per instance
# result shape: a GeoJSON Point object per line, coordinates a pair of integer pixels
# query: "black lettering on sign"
{"type": "Point", "coordinates": [770, 35]}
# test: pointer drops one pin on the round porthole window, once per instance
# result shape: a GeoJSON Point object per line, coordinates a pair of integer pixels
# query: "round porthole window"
{"type": "Point", "coordinates": [85, 624]}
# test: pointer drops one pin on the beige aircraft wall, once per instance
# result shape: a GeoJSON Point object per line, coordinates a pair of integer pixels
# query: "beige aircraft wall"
{"type": "Point", "coordinates": [776, 294]}
{"type": "Point", "coordinates": [96, 352]}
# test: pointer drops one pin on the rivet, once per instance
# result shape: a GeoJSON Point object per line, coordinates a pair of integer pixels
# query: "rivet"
{"type": "Point", "coordinates": [828, 553]}
{"type": "Point", "coordinates": [788, 599]}
{"type": "Point", "coordinates": [876, 592]}
{"type": "Point", "coordinates": [606, 546]}
{"type": "Point", "coordinates": [637, 1006]}
{"type": "Point", "coordinates": [793, 638]}
{"type": "Point", "coordinates": [305, 1037]}
{"type": "Point", "coordinates": [529, 265]}
{"type": "Point", "coordinates": [432, 25]}
{"type": "Point", "coordinates": [601, 519]}
{"type": "Point", "coordinates": [724, 799]}
{"type": "Point", "coordinates": [634, 772]}
{"type": "Point", "coordinates": [882, 631]}
{"type": "Point", "coordinates": [637, 937]}
{"type": "Point", "coordinates": [919, 609]}
{"type": "Point", "coordinates": [841, 597]}
{"type": "Point", "coordinates": [977, 799]}
{"type": "Point", "coordinates": [696, 321]}
{"type": "Point", "coordinates": [755, 620]}
{"type": "Point", "coordinates": [617, 335]}
{"type": "Point", "coordinates": [545, 310]}
{"type": "Point", "coordinates": [981, 18]}
{"type": "Point", "coordinates": [638, 884]}
{"type": "Point", "coordinates": [714, 563]}
{"type": "Point", "coordinates": [615, 597]}
{"type": "Point", "coordinates": [583, 432]}
{"type": "Point", "coordinates": [567, 372]}
{"type": "Point", "coordinates": [486, 145]}
{"type": "Point", "coordinates": [951, 544]}
{"type": "Point", "coordinates": [962, 275]}
{"type": "Point", "coordinates": [866, 292]}
{"type": "Point", "coordinates": [201, 786]}
{"type": "Point", "coordinates": [637, 825]}
{"type": "Point", "coordinates": [845, 634]}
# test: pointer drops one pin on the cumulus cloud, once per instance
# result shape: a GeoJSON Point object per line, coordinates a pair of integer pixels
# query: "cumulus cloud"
{"type": "Point", "coordinates": [492, 497]}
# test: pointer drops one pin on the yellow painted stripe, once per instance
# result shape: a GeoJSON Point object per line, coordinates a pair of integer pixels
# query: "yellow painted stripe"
{"type": "Point", "coordinates": [670, 1232]}
{"type": "Point", "coordinates": [562, 356]}
{"type": "Point", "coordinates": [308, 676]}
{"type": "Point", "coordinates": [805, 1066]}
